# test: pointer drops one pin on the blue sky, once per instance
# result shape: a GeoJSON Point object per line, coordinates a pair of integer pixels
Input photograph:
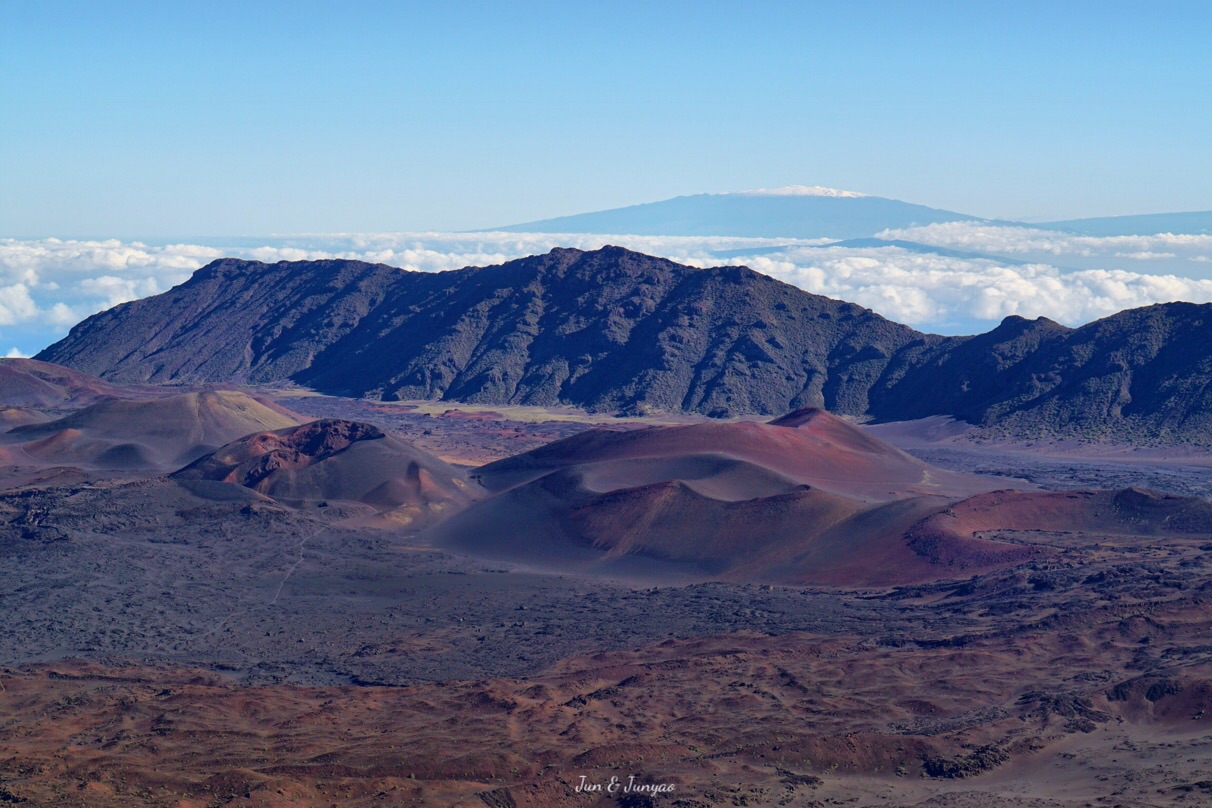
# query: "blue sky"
{"type": "Point", "coordinates": [176, 119]}
{"type": "Point", "coordinates": [140, 140]}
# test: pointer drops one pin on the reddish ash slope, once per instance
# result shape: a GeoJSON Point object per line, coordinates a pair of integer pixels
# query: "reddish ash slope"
{"type": "Point", "coordinates": [808, 446]}
{"type": "Point", "coordinates": [31, 383]}
{"type": "Point", "coordinates": [1061, 517]}
{"type": "Point", "coordinates": [160, 433]}
{"type": "Point", "coordinates": [1131, 511]}
{"type": "Point", "coordinates": [805, 499]}
{"type": "Point", "coordinates": [339, 460]}
{"type": "Point", "coordinates": [808, 498]}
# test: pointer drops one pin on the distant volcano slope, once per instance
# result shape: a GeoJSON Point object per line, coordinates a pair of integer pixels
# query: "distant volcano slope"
{"type": "Point", "coordinates": [805, 499]}
{"type": "Point", "coordinates": [791, 212]}
{"type": "Point", "coordinates": [339, 460]}
{"type": "Point", "coordinates": [147, 434]}
{"type": "Point", "coordinates": [617, 331]}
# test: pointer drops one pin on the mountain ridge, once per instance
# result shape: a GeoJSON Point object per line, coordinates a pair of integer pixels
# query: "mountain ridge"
{"type": "Point", "coordinates": [609, 329]}
{"type": "Point", "coordinates": [613, 330]}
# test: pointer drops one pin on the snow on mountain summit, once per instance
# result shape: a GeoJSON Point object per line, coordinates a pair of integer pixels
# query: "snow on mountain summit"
{"type": "Point", "coordinates": [799, 190]}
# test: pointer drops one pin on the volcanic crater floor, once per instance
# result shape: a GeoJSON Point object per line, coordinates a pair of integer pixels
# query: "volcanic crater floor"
{"type": "Point", "coordinates": [180, 643]}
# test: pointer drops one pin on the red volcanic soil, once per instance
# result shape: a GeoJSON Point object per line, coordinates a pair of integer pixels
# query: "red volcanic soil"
{"type": "Point", "coordinates": [806, 499]}
{"type": "Point", "coordinates": [338, 460]}
{"type": "Point", "coordinates": [805, 536]}
{"type": "Point", "coordinates": [1128, 512]}
{"type": "Point", "coordinates": [733, 720]}
{"type": "Point", "coordinates": [148, 434]}
{"type": "Point", "coordinates": [809, 446]}
{"type": "Point", "coordinates": [1081, 515]}
{"type": "Point", "coordinates": [667, 532]}
{"type": "Point", "coordinates": [31, 383]}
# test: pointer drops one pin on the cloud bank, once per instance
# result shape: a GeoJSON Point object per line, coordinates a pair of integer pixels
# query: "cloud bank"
{"type": "Point", "coordinates": [48, 285]}
{"type": "Point", "coordinates": [989, 238]}
{"type": "Point", "coordinates": [953, 295]}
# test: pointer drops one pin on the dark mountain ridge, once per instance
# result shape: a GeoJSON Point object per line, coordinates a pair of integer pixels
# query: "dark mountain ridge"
{"type": "Point", "coordinates": [615, 330]}
{"type": "Point", "coordinates": [606, 330]}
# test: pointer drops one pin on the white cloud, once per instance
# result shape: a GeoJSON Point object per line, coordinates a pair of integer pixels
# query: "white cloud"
{"type": "Point", "coordinates": [1146, 255]}
{"type": "Point", "coordinates": [115, 290]}
{"type": "Point", "coordinates": [15, 353]}
{"type": "Point", "coordinates": [990, 238]}
{"type": "Point", "coordinates": [933, 291]}
{"type": "Point", "coordinates": [16, 305]}
{"type": "Point", "coordinates": [52, 284]}
{"type": "Point", "coordinates": [799, 190]}
{"type": "Point", "coordinates": [60, 314]}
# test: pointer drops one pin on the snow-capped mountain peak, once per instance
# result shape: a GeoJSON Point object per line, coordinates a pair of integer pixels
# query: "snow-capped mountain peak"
{"type": "Point", "coordinates": [800, 190]}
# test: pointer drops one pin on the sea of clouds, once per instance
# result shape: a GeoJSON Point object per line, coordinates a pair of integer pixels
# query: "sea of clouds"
{"type": "Point", "coordinates": [961, 277]}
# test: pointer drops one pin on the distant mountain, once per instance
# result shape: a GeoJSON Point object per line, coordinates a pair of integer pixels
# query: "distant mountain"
{"type": "Point", "coordinates": [919, 248]}
{"type": "Point", "coordinates": [792, 212]}
{"type": "Point", "coordinates": [1146, 224]}
{"type": "Point", "coordinates": [615, 330]}
{"type": "Point", "coordinates": [869, 244]}
{"type": "Point", "coordinates": [1142, 374]}
{"type": "Point", "coordinates": [606, 330]}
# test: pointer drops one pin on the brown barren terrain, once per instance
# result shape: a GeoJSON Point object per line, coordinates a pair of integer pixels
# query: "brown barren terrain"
{"type": "Point", "coordinates": [783, 613]}
{"type": "Point", "coordinates": [1033, 718]}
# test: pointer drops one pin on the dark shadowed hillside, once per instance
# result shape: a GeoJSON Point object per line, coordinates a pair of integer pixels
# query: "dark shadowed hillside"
{"type": "Point", "coordinates": [606, 330]}
{"type": "Point", "coordinates": [1139, 374]}
{"type": "Point", "coordinates": [614, 330]}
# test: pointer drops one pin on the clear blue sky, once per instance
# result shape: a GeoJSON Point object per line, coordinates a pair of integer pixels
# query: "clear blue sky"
{"type": "Point", "coordinates": [178, 118]}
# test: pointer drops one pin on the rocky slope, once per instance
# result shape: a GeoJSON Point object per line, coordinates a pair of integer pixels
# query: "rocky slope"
{"type": "Point", "coordinates": [1142, 374]}
{"type": "Point", "coordinates": [606, 330]}
{"type": "Point", "coordinates": [614, 330]}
